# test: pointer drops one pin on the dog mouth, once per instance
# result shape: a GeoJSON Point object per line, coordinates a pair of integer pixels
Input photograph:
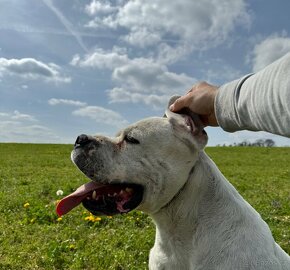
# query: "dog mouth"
{"type": "Point", "coordinates": [191, 121]}
{"type": "Point", "coordinates": [103, 199]}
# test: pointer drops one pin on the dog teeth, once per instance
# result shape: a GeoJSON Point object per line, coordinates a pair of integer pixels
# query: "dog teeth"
{"type": "Point", "coordinates": [94, 195]}
{"type": "Point", "coordinates": [122, 192]}
{"type": "Point", "coordinates": [113, 195]}
{"type": "Point", "coordinates": [129, 190]}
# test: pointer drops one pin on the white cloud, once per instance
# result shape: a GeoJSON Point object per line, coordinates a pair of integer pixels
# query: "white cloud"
{"type": "Point", "coordinates": [101, 115]}
{"type": "Point", "coordinates": [12, 131]}
{"type": "Point", "coordinates": [168, 54]}
{"type": "Point", "coordinates": [200, 23]}
{"type": "Point", "coordinates": [19, 127]}
{"type": "Point", "coordinates": [101, 59]}
{"type": "Point", "coordinates": [269, 50]}
{"type": "Point", "coordinates": [30, 68]}
{"type": "Point", "coordinates": [55, 101]}
{"type": "Point", "coordinates": [155, 101]}
{"type": "Point", "coordinates": [169, 32]}
{"type": "Point", "coordinates": [142, 37]}
{"type": "Point", "coordinates": [21, 116]}
{"type": "Point", "coordinates": [143, 76]}
{"type": "Point", "coordinates": [96, 7]}
{"type": "Point", "coordinates": [16, 115]}
{"type": "Point", "coordinates": [173, 31]}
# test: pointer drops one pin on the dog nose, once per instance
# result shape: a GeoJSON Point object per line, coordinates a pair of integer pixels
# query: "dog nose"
{"type": "Point", "coordinates": [82, 140]}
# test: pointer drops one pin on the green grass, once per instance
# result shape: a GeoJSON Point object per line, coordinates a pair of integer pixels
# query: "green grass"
{"type": "Point", "coordinates": [32, 237]}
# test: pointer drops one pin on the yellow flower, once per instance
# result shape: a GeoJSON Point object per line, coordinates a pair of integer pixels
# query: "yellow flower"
{"type": "Point", "coordinates": [72, 247]}
{"type": "Point", "coordinates": [90, 218]}
{"type": "Point", "coordinates": [59, 219]}
{"type": "Point", "coordinates": [26, 205]}
{"type": "Point", "coordinates": [32, 220]}
{"type": "Point", "coordinates": [93, 218]}
{"type": "Point", "coordinates": [98, 219]}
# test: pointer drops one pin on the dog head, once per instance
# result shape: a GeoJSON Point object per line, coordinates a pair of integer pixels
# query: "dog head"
{"type": "Point", "coordinates": [143, 167]}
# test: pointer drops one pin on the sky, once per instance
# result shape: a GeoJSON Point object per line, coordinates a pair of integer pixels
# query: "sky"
{"type": "Point", "coordinates": [69, 67]}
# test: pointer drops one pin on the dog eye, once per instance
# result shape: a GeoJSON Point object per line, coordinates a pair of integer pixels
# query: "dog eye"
{"type": "Point", "coordinates": [130, 139]}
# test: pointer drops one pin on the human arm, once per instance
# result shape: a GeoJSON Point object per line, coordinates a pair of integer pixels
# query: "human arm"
{"type": "Point", "coordinates": [260, 102]}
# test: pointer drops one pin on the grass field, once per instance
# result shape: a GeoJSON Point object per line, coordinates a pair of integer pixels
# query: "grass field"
{"type": "Point", "coordinates": [32, 236]}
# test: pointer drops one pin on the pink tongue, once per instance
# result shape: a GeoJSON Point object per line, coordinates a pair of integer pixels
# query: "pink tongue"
{"type": "Point", "coordinates": [71, 201]}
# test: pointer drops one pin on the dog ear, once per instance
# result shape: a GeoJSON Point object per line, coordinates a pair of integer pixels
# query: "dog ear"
{"type": "Point", "coordinates": [171, 101]}
{"type": "Point", "coordinates": [199, 135]}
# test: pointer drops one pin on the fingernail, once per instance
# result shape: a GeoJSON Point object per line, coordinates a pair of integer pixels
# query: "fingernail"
{"type": "Point", "coordinates": [171, 107]}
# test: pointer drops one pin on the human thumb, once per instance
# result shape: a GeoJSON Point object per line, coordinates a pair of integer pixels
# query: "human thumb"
{"type": "Point", "coordinates": [178, 104]}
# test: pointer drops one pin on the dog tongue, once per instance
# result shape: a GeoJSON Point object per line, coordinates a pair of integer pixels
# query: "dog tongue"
{"type": "Point", "coordinates": [74, 199]}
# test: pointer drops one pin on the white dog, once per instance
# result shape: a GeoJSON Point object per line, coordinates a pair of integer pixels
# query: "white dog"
{"type": "Point", "coordinates": [158, 166]}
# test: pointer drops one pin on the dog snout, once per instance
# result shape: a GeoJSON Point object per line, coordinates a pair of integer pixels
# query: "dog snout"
{"type": "Point", "coordinates": [82, 140]}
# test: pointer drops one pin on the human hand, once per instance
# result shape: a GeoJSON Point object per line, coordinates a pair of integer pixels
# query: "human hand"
{"type": "Point", "coordinates": [200, 100]}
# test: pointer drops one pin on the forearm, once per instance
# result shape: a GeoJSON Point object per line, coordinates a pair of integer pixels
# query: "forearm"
{"type": "Point", "coordinates": [260, 102]}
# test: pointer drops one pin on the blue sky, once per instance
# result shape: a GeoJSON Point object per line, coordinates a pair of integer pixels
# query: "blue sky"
{"type": "Point", "coordinates": [69, 66]}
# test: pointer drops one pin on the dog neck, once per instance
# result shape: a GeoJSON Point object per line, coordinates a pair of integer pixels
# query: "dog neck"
{"type": "Point", "coordinates": [185, 221]}
{"type": "Point", "coordinates": [210, 226]}
{"type": "Point", "coordinates": [177, 210]}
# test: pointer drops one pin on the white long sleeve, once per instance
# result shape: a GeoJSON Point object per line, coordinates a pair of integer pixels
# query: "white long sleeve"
{"type": "Point", "coordinates": [259, 102]}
